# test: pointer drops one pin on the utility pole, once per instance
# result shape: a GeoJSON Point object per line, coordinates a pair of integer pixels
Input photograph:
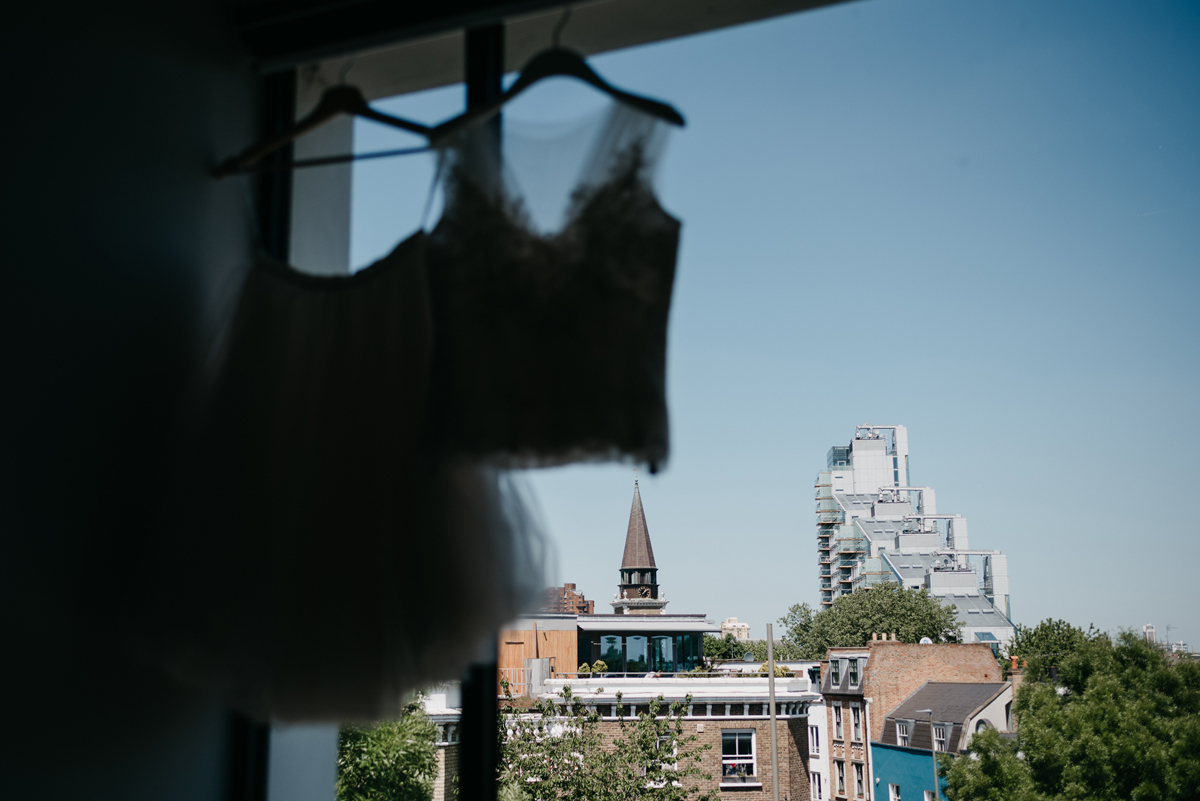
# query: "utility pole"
{"type": "Point", "coordinates": [932, 750]}
{"type": "Point", "coordinates": [771, 698]}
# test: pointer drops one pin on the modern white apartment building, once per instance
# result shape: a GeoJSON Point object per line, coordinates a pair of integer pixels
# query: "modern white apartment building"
{"type": "Point", "coordinates": [874, 526]}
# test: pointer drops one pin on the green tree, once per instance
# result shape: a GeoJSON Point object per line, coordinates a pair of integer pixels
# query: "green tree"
{"type": "Point", "coordinates": [1124, 723]}
{"type": "Point", "coordinates": [784, 649]}
{"type": "Point", "coordinates": [1046, 644]}
{"type": "Point", "coordinates": [992, 772]}
{"type": "Point", "coordinates": [722, 647]}
{"type": "Point", "coordinates": [852, 619]}
{"type": "Point", "coordinates": [394, 760]}
{"type": "Point", "coordinates": [557, 752]}
{"type": "Point", "coordinates": [797, 625]}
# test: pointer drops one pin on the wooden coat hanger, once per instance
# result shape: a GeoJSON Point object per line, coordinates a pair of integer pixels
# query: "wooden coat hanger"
{"type": "Point", "coordinates": [337, 100]}
{"type": "Point", "coordinates": [554, 62]}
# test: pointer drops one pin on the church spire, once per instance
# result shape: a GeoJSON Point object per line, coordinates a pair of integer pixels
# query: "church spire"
{"type": "Point", "coordinates": [638, 593]}
{"type": "Point", "coordinates": [638, 551]}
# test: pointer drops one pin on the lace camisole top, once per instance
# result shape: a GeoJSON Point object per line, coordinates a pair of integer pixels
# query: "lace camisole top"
{"type": "Point", "coordinates": [340, 532]}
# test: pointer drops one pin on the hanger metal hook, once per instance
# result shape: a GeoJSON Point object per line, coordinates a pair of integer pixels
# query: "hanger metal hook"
{"type": "Point", "coordinates": [560, 25]}
{"type": "Point", "coordinates": [345, 70]}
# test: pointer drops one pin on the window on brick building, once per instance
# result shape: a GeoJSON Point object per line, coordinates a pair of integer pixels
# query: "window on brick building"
{"type": "Point", "coordinates": [814, 740]}
{"type": "Point", "coordinates": [664, 761]}
{"type": "Point", "coordinates": [737, 757]}
{"type": "Point", "coordinates": [860, 784]}
{"type": "Point", "coordinates": [837, 722]}
{"type": "Point", "coordinates": [840, 766]}
{"type": "Point", "coordinates": [902, 732]}
{"type": "Point", "coordinates": [856, 716]}
{"type": "Point", "coordinates": [853, 672]}
{"type": "Point", "coordinates": [835, 669]}
{"type": "Point", "coordinates": [939, 738]}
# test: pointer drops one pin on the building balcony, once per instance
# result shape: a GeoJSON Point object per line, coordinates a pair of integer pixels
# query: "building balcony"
{"type": "Point", "coordinates": [831, 518]}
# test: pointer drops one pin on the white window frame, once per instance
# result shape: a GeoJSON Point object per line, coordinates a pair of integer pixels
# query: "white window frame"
{"type": "Point", "coordinates": [840, 767]}
{"type": "Point", "coordinates": [670, 765]}
{"type": "Point", "coordinates": [929, 795]}
{"type": "Point", "coordinates": [893, 792]}
{"type": "Point", "coordinates": [860, 780]}
{"type": "Point", "coordinates": [856, 733]}
{"type": "Point", "coordinates": [903, 733]}
{"type": "Point", "coordinates": [939, 742]}
{"type": "Point", "coordinates": [835, 666]}
{"type": "Point", "coordinates": [814, 740]}
{"type": "Point", "coordinates": [852, 670]}
{"type": "Point", "coordinates": [814, 786]}
{"type": "Point", "coordinates": [751, 778]}
{"type": "Point", "coordinates": [837, 722]}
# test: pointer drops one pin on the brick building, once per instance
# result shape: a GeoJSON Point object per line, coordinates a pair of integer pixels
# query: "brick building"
{"type": "Point", "coordinates": [443, 704]}
{"type": "Point", "coordinates": [565, 600]}
{"type": "Point", "coordinates": [862, 685]}
{"type": "Point", "coordinates": [731, 714]}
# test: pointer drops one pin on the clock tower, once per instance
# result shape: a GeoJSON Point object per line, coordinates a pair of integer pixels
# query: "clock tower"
{"type": "Point", "coordinates": [638, 592]}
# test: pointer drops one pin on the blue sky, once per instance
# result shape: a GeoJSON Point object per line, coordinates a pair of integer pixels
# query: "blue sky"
{"type": "Point", "coordinates": [980, 220]}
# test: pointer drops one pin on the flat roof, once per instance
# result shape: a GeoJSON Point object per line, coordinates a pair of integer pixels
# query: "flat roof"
{"type": "Point", "coordinates": [647, 623]}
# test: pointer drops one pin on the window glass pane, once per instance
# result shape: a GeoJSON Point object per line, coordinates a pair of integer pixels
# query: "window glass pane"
{"type": "Point", "coordinates": [662, 654]}
{"type": "Point", "coordinates": [635, 655]}
{"type": "Point", "coordinates": [737, 757]}
{"type": "Point", "coordinates": [610, 653]}
{"type": "Point", "coordinates": [691, 651]}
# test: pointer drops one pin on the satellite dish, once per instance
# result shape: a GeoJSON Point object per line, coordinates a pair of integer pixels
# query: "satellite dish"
{"type": "Point", "coordinates": [926, 641]}
{"type": "Point", "coordinates": [749, 657]}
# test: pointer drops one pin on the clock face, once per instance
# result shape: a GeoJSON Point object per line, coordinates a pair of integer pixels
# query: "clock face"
{"type": "Point", "coordinates": [644, 592]}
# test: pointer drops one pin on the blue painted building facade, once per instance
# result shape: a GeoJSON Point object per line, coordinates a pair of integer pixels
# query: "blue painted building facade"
{"type": "Point", "coordinates": [910, 769]}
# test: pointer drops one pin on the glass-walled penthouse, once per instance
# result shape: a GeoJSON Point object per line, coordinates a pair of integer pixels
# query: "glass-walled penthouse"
{"type": "Point", "coordinates": [644, 643]}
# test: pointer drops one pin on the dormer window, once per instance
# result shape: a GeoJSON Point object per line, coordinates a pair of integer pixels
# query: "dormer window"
{"type": "Point", "coordinates": [835, 665]}
{"type": "Point", "coordinates": [853, 672]}
{"type": "Point", "coordinates": [939, 737]}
